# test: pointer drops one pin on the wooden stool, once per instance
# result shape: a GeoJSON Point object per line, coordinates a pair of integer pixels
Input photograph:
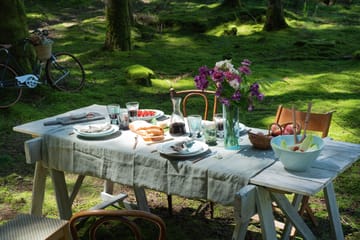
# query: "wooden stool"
{"type": "Point", "coordinates": [26, 227]}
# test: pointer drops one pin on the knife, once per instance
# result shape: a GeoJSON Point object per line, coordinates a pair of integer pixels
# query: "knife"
{"type": "Point", "coordinates": [209, 154]}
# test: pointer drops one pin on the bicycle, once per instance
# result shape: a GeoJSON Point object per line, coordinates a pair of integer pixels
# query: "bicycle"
{"type": "Point", "coordinates": [63, 71]}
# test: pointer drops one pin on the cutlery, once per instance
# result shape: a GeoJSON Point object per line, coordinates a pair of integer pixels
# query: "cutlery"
{"type": "Point", "coordinates": [183, 146]}
{"type": "Point", "coordinates": [209, 154]}
{"type": "Point", "coordinates": [75, 118]}
{"type": "Point", "coordinates": [161, 141]}
{"type": "Point", "coordinates": [136, 142]}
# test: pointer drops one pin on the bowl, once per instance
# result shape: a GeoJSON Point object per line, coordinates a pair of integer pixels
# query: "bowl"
{"type": "Point", "coordinates": [295, 160]}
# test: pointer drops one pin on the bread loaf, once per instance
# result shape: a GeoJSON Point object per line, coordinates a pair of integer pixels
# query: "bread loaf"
{"type": "Point", "coordinates": [148, 131]}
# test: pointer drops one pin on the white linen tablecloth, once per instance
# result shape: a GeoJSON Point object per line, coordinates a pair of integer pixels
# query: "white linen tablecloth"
{"type": "Point", "coordinates": [216, 178]}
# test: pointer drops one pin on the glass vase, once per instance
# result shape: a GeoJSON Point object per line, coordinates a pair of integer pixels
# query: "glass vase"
{"type": "Point", "coordinates": [231, 126]}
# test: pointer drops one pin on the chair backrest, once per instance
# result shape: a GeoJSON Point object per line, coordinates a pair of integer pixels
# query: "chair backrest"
{"type": "Point", "coordinates": [318, 122]}
{"type": "Point", "coordinates": [204, 97]}
{"type": "Point", "coordinates": [126, 217]}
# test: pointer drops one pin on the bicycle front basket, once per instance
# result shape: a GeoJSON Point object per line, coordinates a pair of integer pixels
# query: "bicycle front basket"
{"type": "Point", "coordinates": [43, 51]}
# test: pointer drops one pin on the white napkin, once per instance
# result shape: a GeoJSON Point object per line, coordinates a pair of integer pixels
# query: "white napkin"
{"type": "Point", "coordinates": [95, 128]}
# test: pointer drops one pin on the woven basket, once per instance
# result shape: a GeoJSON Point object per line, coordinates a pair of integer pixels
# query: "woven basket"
{"type": "Point", "coordinates": [262, 141]}
{"type": "Point", "coordinates": [43, 52]}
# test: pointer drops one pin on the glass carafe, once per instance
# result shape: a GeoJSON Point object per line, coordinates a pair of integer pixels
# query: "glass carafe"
{"type": "Point", "coordinates": [177, 122]}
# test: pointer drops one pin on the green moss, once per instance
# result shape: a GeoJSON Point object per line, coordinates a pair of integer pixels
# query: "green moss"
{"type": "Point", "coordinates": [139, 74]}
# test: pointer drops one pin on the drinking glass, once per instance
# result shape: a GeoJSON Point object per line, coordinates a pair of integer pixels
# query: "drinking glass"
{"type": "Point", "coordinates": [124, 119]}
{"type": "Point", "coordinates": [219, 122]}
{"type": "Point", "coordinates": [209, 131]}
{"type": "Point", "coordinates": [113, 111]}
{"type": "Point", "coordinates": [132, 108]}
{"type": "Point", "coordinates": [194, 123]}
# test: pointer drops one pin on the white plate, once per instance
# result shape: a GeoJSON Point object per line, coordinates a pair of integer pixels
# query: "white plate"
{"type": "Point", "coordinates": [157, 114]}
{"type": "Point", "coordinates": [81, 130]}
{"type": "Point", "coordinates": [196, 149]}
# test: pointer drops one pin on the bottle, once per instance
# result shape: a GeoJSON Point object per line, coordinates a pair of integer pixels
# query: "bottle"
{"type": "Point", "coordinates": [177, 122]}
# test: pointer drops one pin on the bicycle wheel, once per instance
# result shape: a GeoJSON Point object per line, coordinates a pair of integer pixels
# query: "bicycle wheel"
{"type": "Point", "coordinates": [10, 92]}
{"type": "Point", "coordinates": [65, 72]}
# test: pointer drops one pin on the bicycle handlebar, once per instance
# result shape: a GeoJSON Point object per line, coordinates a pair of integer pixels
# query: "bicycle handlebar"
{"type": "Point", "coordinates": [41, 32]}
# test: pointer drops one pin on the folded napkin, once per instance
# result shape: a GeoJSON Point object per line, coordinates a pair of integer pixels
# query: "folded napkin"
{"type": "Point", "coordinates": [96, 128]}
{"type": "Point", "coordinates": [147, 131]}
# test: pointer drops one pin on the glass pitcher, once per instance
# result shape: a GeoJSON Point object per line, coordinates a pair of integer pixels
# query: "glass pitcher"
{"type": "Point", "coordinates": [177, 122]}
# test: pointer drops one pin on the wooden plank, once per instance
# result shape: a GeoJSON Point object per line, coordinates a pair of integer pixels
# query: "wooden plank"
{"type": "Point", "coordinates": [288, 228]}
{"type": "Point", "coordinates": [38, 191]}
{"type": "Point", "coordinates": [37, 128]}
{"type": "Point", "coordinates": [32, 149]}
{"type": "Point", "coordinates": [141, 199]}
{"type": "Point", "coordinates": [244, 207]}
{"type": "Point", "coordinates": [245, 202]}
{"type": "Point", "coordinates": [111, 201]}
{"type": "Point", "coordinates": [108, 186]}
{"type": "Point", "coordinates": [292, 214]}
{"type": "Point", "coordinates": [304, 183]}
{"type": "Point", "coordinates": [333, 210]}
{"type": "Point", "coordinates": [264, 207]}
{"type": "Point", "coordinates": [61, 192]}
{"type": "Point", "coordinates": [76, 188]}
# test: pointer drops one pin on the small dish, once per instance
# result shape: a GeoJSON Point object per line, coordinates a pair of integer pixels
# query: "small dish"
{"type": "Point", "coordinates": [148, 114]}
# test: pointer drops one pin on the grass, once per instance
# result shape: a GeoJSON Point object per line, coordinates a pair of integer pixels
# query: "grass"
{"type": "Point", "coordinates": [312, 60]}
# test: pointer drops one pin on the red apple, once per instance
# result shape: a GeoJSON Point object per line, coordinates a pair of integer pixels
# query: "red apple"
{"type": "Point", "coordinates": [288, 130]}
{"type": "Point", "coordinates": [275, 130]}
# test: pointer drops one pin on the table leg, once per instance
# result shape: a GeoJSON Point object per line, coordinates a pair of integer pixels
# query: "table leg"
{"type": "Point", "coordinates": [244, 209]}
{"type": "Point", "coordinates": [61, 193]}
{"type": "Point", "coordinates": [141, 199]}
{"type": "Point", "coordinates": [264, 208]}
{"type": "Point", "coordinates": [38, 191]}
{"type": "Point", "coordinates": [333, 211]}
{"type": "Point", "coordinates": [288, 226]}
{"type": "Point", "coordinates": [292, 214]}
{"type": "Point", "coordinates": [108, 187]}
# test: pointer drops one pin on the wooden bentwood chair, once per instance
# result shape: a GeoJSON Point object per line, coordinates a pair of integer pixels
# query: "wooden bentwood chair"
{"type": "Point", "coordinates": [317, 123]}
{"type": "Point", "coordinates": [193, 98]}
{"type": "Point", "coordinates": [101, 218]}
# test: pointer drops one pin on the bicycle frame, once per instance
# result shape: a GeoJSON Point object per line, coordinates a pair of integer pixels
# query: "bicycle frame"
{"type": "Point", "coordinates": [61, 70]}
{"type": "Point", "coordinates": [25, 80]}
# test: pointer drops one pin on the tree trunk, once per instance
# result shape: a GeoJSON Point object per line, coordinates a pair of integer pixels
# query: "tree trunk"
{"type": "Point", "coordinates": [232, 3]}
{"type": "Point", "coordinates": [275, 16]}
{"type": "Point", "coordinates": [13, 29]}
{"type": "Point", "coordinates": [118, 33]}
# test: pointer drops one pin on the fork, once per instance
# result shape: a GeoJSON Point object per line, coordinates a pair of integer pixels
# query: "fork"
{"type": "Point", "coordinates": [136, 142]}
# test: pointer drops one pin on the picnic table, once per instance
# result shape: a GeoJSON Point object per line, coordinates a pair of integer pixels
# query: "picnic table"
{"type": "Point", "coordinates": [248, 179]}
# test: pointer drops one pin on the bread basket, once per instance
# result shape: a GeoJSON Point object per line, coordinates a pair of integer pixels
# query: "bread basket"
{"type": "Point", "coordinates": [262, 141]}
